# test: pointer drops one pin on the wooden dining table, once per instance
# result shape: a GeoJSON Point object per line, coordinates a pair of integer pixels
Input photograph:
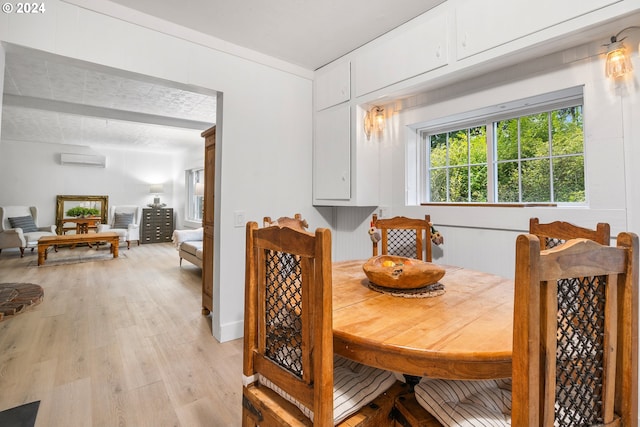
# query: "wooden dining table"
{"type": "Point", "coordinates": [465, 333]}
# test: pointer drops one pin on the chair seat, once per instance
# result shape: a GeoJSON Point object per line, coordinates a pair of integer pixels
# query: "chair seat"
{"type": "Point", "coordinates": [122, 232]}
{"type": "Point", "coordinates": [33, 237]}
{"type": "Point", "coordinates": [192, 247]}
{"type": "Point", "coordinates": [485, 403]}
{"type": "Point", "coordinates": [354, 386]}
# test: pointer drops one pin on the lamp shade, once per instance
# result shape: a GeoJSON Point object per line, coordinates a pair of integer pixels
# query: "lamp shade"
{"type": "Point", "coordinates": [199, 190]}
{"type": "Point", "coordinates": [156, 189]}
{"type": "Point", "coordinates": [618, 62]}
{"type": "Point", "coordinates": [374, 121]}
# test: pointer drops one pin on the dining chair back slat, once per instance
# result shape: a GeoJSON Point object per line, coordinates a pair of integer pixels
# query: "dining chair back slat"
{"type": "Point", "coordinates": [296, 222]}
{"type": "Point", "coordinates": [555, 233]}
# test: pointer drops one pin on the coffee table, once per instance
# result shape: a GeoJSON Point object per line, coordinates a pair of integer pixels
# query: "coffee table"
{"type": "Point", "coordinates": [73, 239]}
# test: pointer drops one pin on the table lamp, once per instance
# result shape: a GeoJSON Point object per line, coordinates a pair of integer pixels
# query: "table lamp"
{"type": "Point", "coordinates": [156, 189]}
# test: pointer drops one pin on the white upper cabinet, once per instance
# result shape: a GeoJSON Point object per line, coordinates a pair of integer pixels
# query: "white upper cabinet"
{"type": "Point", "coordinates": [332, 85]}
{"type": "Point", "coordinates": [483, 25]}
{"type": "Point", "coordinates": [415, 48]}
{"type": "Point", "coordinates": [332, 155]}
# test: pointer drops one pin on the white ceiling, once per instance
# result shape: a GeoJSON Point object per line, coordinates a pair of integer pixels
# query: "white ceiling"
{"type": "Point", "coordinates": [51, 99]}
{"type": "Point", "coordinates": [309, 33]}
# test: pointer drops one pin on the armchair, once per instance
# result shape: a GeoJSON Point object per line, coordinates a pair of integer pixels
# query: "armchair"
{"type": "Point", "coordinates": [19, 228]}
{"type": "Point", "coordinates": [124, 220]}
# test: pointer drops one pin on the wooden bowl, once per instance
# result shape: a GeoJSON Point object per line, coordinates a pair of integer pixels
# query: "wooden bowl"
{"type": "Point", "coordinates": [398, 272]}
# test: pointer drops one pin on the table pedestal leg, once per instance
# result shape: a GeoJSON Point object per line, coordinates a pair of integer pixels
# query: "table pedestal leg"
{"type": "Point", "coordinates": [114, 247]}
{"type": "Point", "coordinates": [412, 381]}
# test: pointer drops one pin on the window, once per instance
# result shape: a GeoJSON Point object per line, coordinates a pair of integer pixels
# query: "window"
{"type": "Point", "coordinates": [458, 165]}
{"type": "Point", "coordinates": [523, 156]}
{"type": "Point", "coordinates": [195, 194]}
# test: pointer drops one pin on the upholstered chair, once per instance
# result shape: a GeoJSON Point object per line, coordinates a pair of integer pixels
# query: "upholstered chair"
{"type": "Point", "coordinates": [19, 228]}
{"type": "Point", "coordinates": [124, 220]}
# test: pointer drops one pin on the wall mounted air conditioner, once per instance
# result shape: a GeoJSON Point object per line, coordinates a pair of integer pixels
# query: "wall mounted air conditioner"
{"type": "Point", "coordinates": [83, 160]}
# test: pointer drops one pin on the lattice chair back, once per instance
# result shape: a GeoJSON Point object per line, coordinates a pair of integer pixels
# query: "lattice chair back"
{"type": "Point", "coordinates": [557, 232]}
{"type": "Point", "coordinates": [575, 350]}
{"type": "Point", "coordinates": [401, 236]}
{"type": "Point", "coordinates": [286, 270]}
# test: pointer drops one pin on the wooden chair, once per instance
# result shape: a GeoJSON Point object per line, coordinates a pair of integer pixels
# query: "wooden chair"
{"type": "Point", "coordinates": [575, 343]}
{"type": "Point", "coordinates": [575, 354]}
{"type": "Point", "coordinates": [289, 365]}
{"type": "Point", "coordinates": [401, 236]}
{"type": "Point", "coordinates": [284, 221]}
{"type": "Point", "coordinates": [557, 232]}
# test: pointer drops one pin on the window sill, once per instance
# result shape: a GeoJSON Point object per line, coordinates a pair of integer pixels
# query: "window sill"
{"type": "Point", "coordinates": [495, 205]}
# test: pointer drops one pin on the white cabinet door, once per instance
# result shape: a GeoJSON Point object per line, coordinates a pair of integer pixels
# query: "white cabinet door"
{"type": "Point", "coordinates": [332, 155]}
{"type": "Point", "coordinates": [417, 47]}
{"type": "Point", "coordinates": [482, 25]}
{"type": "Point", "coordinates": [332, 85]}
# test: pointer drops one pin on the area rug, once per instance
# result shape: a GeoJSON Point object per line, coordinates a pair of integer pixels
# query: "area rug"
{"type": "Point", "coordinates": [79, 254]}
{"type": "Point", "coordinates": [17, 297]}
{"type": "Point", "coordinates": [20, 416]}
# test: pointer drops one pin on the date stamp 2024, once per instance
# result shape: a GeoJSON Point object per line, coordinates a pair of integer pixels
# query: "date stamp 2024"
{"type": "Point", "coordinates": [23, 8]}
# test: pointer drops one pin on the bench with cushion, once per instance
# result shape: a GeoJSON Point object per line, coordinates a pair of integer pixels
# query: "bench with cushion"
{"type": "Point", "coordinates": [189, 245]}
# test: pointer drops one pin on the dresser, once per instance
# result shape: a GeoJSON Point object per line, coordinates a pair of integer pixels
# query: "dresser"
{"type": "Point", "coordinates": [157, 225]}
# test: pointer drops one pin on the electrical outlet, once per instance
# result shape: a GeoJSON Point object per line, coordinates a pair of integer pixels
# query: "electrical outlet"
{"type": "Point", "coordinates": [239, 218]}
{"type": "Point", "coordinates": [383, 212]}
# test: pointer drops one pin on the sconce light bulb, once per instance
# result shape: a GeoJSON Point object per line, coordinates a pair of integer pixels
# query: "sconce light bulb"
{"type": "Point", "coordinates": [618, 62]}
{"type": "Point", "coordinates": [379, 119]}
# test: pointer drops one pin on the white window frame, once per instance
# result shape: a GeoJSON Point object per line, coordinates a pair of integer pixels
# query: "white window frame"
{"type": "Point", "coordinates": [570, 97]}
{"type": "Point", "coordinates": [193, 202]}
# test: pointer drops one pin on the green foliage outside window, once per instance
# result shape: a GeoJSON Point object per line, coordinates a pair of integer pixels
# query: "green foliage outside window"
{"type": "Point", "coordinates": [82, 211]}
{"type": "Point", "coordinates": [537, 158]}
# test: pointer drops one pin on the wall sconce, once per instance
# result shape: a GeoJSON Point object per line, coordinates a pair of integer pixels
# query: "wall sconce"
{"type": "Point", "coordinates": [156, 189]}
{"type": "Point", "coordinates": [618, 61]}
{"type": "Point", "coordinates": [374, 121]}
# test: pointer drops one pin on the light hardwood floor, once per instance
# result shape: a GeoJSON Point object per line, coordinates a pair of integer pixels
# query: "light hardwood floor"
{"type": "Point", "coordinates": [118, 343]}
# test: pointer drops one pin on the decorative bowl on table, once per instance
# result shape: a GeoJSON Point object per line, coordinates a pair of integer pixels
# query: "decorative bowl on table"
{"type": "Point", "coordinates": [398, 272]}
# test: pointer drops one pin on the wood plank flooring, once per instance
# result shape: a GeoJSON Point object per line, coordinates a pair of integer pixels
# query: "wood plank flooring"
{"type": "Point", "coordinates": [118, 343]}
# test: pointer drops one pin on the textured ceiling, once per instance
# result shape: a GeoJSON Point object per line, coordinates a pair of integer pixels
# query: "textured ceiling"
{"type": "Point", "coordinates": [51, 99]}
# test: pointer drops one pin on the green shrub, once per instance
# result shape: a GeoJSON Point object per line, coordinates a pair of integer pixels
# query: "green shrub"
{"type": "Point", "coordinates": [80, 211]}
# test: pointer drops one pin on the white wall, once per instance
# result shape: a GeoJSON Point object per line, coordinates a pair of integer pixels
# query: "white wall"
{"type": "Point", "coordinates": [265, 119]}
{"type": "Point", "coordinates": [483, 238]}
{"type": "Point", "coordinates": [31, 174]}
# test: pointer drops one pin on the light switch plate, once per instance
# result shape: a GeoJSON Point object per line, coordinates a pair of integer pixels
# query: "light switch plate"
{"type": "Point", "coordinates": [239, 218]}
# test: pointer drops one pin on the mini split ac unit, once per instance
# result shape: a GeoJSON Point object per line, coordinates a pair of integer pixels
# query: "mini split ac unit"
{"type": "Point", "coordinates": [83, 160]}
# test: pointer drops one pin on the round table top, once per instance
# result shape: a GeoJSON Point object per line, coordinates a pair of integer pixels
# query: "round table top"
{"type": "Point", "coordinates": [465, 333]}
